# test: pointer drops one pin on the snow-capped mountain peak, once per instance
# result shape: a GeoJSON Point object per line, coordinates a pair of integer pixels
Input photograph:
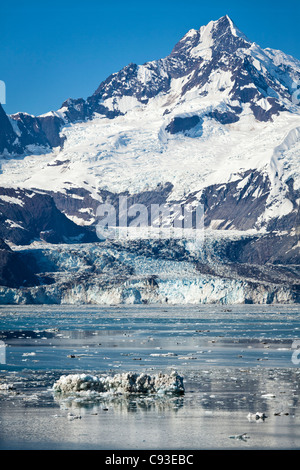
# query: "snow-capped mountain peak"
{"type": "Point", "coordinates": [217, 63]}
{"type": "Point", "coordinates": [217, 67]}
{"type": "Point", "coordinates": [216, 36]}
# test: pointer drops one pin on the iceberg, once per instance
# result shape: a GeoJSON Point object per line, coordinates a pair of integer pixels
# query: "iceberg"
{"type": "Point", "coordinates": [125, 383]}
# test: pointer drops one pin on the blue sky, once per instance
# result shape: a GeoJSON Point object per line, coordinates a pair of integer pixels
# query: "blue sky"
{"type": "Point", "coordinates": [51, 51]}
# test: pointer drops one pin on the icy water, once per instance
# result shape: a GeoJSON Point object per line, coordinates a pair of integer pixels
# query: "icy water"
{"type": "Point", "coordinates": [235, 360]}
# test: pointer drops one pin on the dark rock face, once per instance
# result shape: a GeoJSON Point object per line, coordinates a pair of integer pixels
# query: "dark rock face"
{"type": "Point", "coordinates": [263, 115]}
{"type": "Point", "coordinates": [225, 40]}
{"type": "Point", "coordinates": [234, 206]}
{"type": "Point", "coordinates": [179, 124]}
{"type": "Point", "coordinates": [8, 138]}
{"type": "Point", "coordinates": [51, 127]}
{"type": "Point", "coordinates": [26, 216]}
{"type": "Point", "coordinates": [239, 204]}
{"type": "Point", "coordinates": [22, 130]}
{"type": "Point", "coordinates": [126, 83]}
{"type": "Point", "coordinates": [76, 202]}
{"type": "Point", "coordinates": [272, 249]}
{"type": "Point", "coordinates": [30, 130]}
{"type": "Point", "coordinates": [224, 118]}
{"type": "Point", "coordinates": [84, 206]}
{"type": "Point", "coordinates": [75, 110]}
{"type": "Point", "coordinates": [14, 270]}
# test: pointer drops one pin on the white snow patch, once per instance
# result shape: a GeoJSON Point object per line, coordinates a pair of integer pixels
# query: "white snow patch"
{"type": "Point", "coordinates": [11, 200]}
{"type": "Point", "coordinates": [13, 224]}
{"type": "Point", "coordinates": [203, 49]}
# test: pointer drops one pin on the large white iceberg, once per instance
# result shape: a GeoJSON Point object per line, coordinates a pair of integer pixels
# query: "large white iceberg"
{"type": "Point", "coordinates": [125, 383]}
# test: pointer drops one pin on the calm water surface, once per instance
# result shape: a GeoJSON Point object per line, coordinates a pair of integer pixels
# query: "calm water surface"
{"type": "Point", "coordinates": [235, 360]}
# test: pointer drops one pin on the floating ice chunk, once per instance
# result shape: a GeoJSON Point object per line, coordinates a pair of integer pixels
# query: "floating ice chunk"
{"type": "Point", "coordinates": [71, 416]}
{"type": "Point", "coordinates": [169, 354]}
{"type": "Point", "coordinates": [119, 384]}
{"type": "Point", "coordinates": [240, 437]}
{"type": "Point", "coordinates": [7, 386]}
{"type": "Point", "coordinates": [256, 416]}
{"type": "Point", "coordinates": [187, 357]}
{"type": "Point", "coordinates": [32, 397]}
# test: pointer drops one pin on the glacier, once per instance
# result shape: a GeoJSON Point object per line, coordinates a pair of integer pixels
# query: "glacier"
{"type": "Point", "coordinates": [147, 272]}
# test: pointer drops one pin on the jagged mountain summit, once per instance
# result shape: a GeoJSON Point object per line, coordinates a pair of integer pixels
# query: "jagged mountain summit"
{"type": "Point", "coordinates": [216, 64]}
{"type": "Point", "coordinates": [217, 122]}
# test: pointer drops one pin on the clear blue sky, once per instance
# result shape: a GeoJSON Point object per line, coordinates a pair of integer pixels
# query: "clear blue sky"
{"type": "Point", "coordinates": [53, 50]}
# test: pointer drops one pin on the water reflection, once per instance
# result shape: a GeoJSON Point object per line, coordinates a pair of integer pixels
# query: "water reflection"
{"type": "Point", "coordinates": [233, 363]}
{"type": "Point", "coordinates": [215, 407]}
{"type": "Point", "coordinates": [121, 404]}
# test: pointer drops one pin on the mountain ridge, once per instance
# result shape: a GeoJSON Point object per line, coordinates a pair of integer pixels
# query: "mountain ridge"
{"type": "Point", "coordinates": [212, 47]}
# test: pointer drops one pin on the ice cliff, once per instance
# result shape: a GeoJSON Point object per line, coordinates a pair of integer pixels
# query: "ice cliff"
{"type": "Point", "coordinates": [228, 269]}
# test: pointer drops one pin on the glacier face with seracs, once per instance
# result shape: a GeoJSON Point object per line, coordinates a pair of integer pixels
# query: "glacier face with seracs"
{"type": "Point", "coordinates": [146, 272]}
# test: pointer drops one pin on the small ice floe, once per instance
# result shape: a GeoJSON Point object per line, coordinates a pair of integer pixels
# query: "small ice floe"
{"type": "Point", "coordinates": [71, 416]}
{"type": "Point", "coordinates": [33, 397]}
{"type": "Point", "coordinates": [6, 387]}
{"type": "Point", "coordinates": [240, 437]}
{"type": "Point", "coordinates": [187, 358]}
{"type": "Point", "coordinates": [126, 383]}
{"type": "Point", "coordinates": [169, 354]}
{"type": "Point", "coordinates": [256, 416]}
